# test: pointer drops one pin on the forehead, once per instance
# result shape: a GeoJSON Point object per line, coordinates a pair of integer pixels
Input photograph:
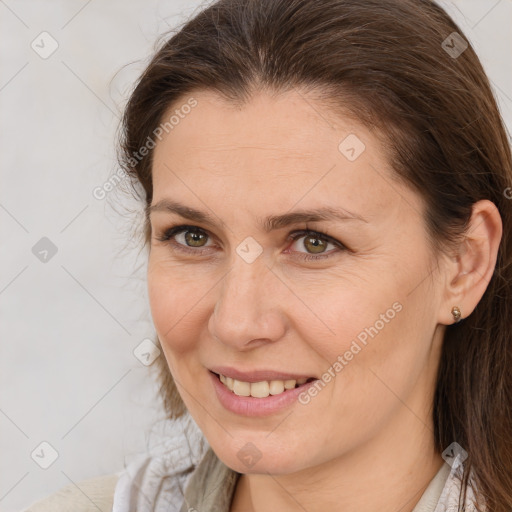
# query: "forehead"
{"type": "Point", "coordinates": [285, 145]}
{"type": "Point", "coordinates": [287, 124]}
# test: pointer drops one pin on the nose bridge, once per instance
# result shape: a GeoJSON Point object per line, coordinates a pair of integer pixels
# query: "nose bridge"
{"type": "Point", "coordinates": [246, 306]}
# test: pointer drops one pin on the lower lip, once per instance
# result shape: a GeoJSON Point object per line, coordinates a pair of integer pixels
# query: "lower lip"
{"type": "Point", "coordinates": [251, 406]}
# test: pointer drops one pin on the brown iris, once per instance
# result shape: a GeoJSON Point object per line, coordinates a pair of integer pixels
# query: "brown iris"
{"type": "Point", "coordinates": [194, 238]}
{"type": "Point", "coordinates": [314, 244]}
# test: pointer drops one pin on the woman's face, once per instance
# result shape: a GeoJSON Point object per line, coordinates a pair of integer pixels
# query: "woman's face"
{"type": "Point", "coordinates": [235, 295]}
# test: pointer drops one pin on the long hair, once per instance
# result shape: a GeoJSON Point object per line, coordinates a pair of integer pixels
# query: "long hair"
{"type": "Point", "coordinates": [404, 69]}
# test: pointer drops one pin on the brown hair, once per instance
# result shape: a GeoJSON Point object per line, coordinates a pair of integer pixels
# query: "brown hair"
{"type": "Point", "coordinates": [383, 62]}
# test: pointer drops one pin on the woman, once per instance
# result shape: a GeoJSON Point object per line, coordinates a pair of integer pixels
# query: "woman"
{"type": "Point", "coordinates": [329, 262]}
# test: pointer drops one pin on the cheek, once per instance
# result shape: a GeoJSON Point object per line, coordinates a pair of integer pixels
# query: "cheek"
{"type": "Point", "coordinates": [371, 322]}
{"type": "Point", "coordinates": [341, 309]}
{"type": "Point", "coordinates": [174, 299]}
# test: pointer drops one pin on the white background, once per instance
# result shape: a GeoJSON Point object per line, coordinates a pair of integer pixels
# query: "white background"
{"type": "Point", "coordinates": [69, 326]}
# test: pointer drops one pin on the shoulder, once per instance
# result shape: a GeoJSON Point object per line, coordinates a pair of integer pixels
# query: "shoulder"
{"type": "Point", "coordinates": [92, 495]}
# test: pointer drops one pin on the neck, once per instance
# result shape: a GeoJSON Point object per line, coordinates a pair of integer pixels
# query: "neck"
{"type": "Point", "coordinates": [389, 473]}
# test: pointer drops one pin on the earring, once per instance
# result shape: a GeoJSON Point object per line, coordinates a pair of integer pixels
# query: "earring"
{"type": "Point", "coordinates": [457, 315]}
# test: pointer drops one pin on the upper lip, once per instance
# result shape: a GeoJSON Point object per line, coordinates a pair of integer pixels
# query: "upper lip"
{"type": "Point", "coordinates": [257, 375]}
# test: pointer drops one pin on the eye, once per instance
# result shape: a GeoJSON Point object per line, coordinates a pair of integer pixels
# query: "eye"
{"type": "Point", "coordinates": [185, 238]}
{"type": "Point", "coordinates": [316, 243]}
{"type": "Point", "coordinates": [193, 240]}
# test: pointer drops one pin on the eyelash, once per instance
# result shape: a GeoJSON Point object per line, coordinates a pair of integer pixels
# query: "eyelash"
{"type": "Point", "coordinates": [168, 235]}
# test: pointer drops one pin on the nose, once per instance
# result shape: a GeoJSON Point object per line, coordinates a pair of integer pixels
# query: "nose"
{"type": "Point", "coordinates": [248, 308]}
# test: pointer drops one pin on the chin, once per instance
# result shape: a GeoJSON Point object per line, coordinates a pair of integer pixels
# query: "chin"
{"type": "Point", "coordinates": [260, 456]}
{"type": "Point", "coordinates": [266, 464]}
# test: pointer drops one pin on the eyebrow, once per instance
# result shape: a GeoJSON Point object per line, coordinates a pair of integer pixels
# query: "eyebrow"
{"type": "Point", "coordinates": [270, 223]}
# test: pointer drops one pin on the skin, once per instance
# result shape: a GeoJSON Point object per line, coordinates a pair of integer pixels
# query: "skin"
{"type": "Point", "coordinates": [365, 442]}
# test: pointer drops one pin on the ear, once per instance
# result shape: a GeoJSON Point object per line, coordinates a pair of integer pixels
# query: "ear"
{"type": "Point", "coordinates": [471, 267]}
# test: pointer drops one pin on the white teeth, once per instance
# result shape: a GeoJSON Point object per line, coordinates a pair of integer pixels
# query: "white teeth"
{"type": "Point", "coordinates": [289, 384]}
{"type": "Point", "coordinates": [260, 389]}
{"type": "Point", "coordinates": [276, 387]}
{"type": "Point", "coordinates": [241, 388]}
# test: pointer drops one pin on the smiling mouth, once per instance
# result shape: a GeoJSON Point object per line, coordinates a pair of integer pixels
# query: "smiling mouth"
{"type": "Point", "coordinates": [261, 389]}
